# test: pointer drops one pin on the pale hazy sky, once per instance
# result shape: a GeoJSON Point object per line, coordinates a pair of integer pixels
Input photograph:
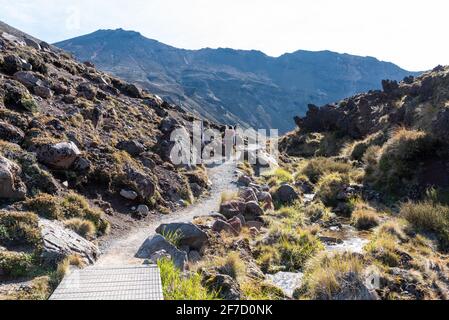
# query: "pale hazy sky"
{"type": "Point", "coordinates": [410, 33]}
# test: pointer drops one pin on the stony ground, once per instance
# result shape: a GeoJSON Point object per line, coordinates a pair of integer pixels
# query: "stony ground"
{"type": "Point", "coordinates": [122, 251]}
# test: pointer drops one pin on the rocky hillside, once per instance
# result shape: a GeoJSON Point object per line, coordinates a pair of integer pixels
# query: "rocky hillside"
{"type": "Point", "coordinates": [399, 132]}
{"type": "Point", "coordinates": [233, 86]}
{"type": "Point", "coordinates": [82, 153]}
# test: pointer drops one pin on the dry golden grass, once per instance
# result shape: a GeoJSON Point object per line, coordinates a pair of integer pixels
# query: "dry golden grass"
{"type": "Point", "coordinates": [326, 275]}
{"type": "Point", "coordinates": [365, 219]}
{"type": "Point", "coordinates": [228, 196]}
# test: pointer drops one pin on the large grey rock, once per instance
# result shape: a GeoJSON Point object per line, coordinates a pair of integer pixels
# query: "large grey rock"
{"type": "Point", "coordinates": [43, 91]}
{"type": "Point", "coordinates": [60, 155]}
{"type": "Point", "coordinates": [232, 208]}
{"type": "Point", "coordinates": [12, 64]}
{"type": "Point", "coordinates": [223, 226]}
{"type": "Point", "coordinates": [168, 124]}
{"type": "Point", "coordinates": [28, 79]}
{"type": "Point", "coordinates": [31, 43]}
{"type": "Point", "coordinates": [285, 194]}
{"type": "Point", "coordinates": [189, 234]}
{"type": "Point", "coordinates": [247, 194]}
{"type": "Point", "coordinates": [11, 186]}
{"type": "Point", "coordinates": [133, 147]}
{"type": "Point", "coordinates": [140, 182]}
{"type": "Point", "coordinates": [157, 243]}
{"type": "Point", "coordinates": [129, 194]}
{"type": "Point", "coordinates": [253, 211]}
{"type": "Point", "coordinates": [59, 242]}
{"type": "Point", "coordinates": [266, 199]}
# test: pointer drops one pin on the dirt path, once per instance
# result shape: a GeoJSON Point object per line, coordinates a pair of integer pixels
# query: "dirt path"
{"type": "Point", "coordinates": [121, 251]}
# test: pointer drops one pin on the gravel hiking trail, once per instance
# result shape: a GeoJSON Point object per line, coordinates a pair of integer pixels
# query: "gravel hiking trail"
{"type": "Point", "coordinates": [122, 251]}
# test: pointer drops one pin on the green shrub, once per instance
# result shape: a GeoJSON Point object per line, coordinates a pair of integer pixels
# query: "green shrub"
{"type": "Point", "coordinates": [15, 264]}
{"type": "Point", "coordinates": [316, 168]}
{"type": "Point", "coordinates": [177, 286]}
{"type": "Point", "coordinates": [289, 248]}
{"type": "Point", "coordinates": [20, 228]}
{"type": "Point", "coordinates": [400, 162]}
{"type": "Point", "coordinates": [280, 176]}
{"type": "Point", "coordinates": [46, 206]}
{"type": "Point", "coordinates": [429, 217]}
{"type": "Point", "coordinates": [76, 206]}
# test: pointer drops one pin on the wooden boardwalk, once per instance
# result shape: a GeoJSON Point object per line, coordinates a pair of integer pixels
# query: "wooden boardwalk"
{"type": "Point", "coordinates": [112, 283]}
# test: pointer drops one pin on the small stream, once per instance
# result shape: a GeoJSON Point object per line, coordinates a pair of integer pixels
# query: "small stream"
{"type": "Point", "coordinates": [340, 237]}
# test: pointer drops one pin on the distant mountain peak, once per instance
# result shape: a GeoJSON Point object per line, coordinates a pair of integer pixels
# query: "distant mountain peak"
{"type": "Point", "coordinates": [252, 88]}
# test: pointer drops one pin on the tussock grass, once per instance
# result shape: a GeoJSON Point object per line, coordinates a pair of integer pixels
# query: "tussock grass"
{"type": "Point", "coordinates": [316, 168]}
{"type": "Point", "coordinates": [232, 265]}
{"type": "Point", "coordinates": [46, 206]}
{"type": "Point", "coordinates": [428, 217]}
{"type": "Point", "coordinates": [64, 266]}
{"type": "Point", "coordinates": [383, 247]}
{"type": "Point", "coordinates": [71, 206]}
{"type": "Point", "coordinates": [177, 286]}
{"type": "Point", "coordinates": [289, 248]}
{"type": "Point", "coordinates": [246, 167]}
{"type": "Point", "coordinates": [174, 237]}
{"type": "Point", "coordinates": [329, 186]}
{"type": "Point", "coordinates": [365, 218]}
{"type": "Point", "coordinates": [317, 211]}
{"type": "Point", "coordinates": [76, 206]}
{"type": "Point", "coordinates": [395, 228]}
{"type": "Point", "coordinates": [84, 228]}
{"type": "Point", "coordinates": [328, 275]}
{"type": "Point", "coordinates": [279, 176]}
{"type": "Point", "coordinates": [398, 164]}
{"type": "Point", "coordinates": [228, 196]}
{"type": "Point", "coordinates": [256, 290]}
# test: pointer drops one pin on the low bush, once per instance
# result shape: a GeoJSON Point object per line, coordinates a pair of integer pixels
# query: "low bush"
{"type": "Point", "coordinates": [289, 248]}
{"type": "Point", "coordinates": [16, 264]}
{"type": "Point", "coordinates": [19, 228]}
{"type": "Point", "coordinates": [46, 206]}
{"type": "Point", "coordinates": [316, 168]}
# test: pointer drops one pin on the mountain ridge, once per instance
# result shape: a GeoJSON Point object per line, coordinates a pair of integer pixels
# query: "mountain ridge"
{"type": "Point", "coordinates": [233, 86]}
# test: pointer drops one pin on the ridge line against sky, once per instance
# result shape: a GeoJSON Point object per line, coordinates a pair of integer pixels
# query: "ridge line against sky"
{"type": "Point", "coordinates": [409, 33]}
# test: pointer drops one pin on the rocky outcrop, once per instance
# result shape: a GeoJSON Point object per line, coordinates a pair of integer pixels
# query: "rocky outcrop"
{"type": "Point", "coordinates": [157, 243]}
{"type": "Point", "coordinates": [59, 242]}
{"type": "Point", "coordinates": [187, 233]}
